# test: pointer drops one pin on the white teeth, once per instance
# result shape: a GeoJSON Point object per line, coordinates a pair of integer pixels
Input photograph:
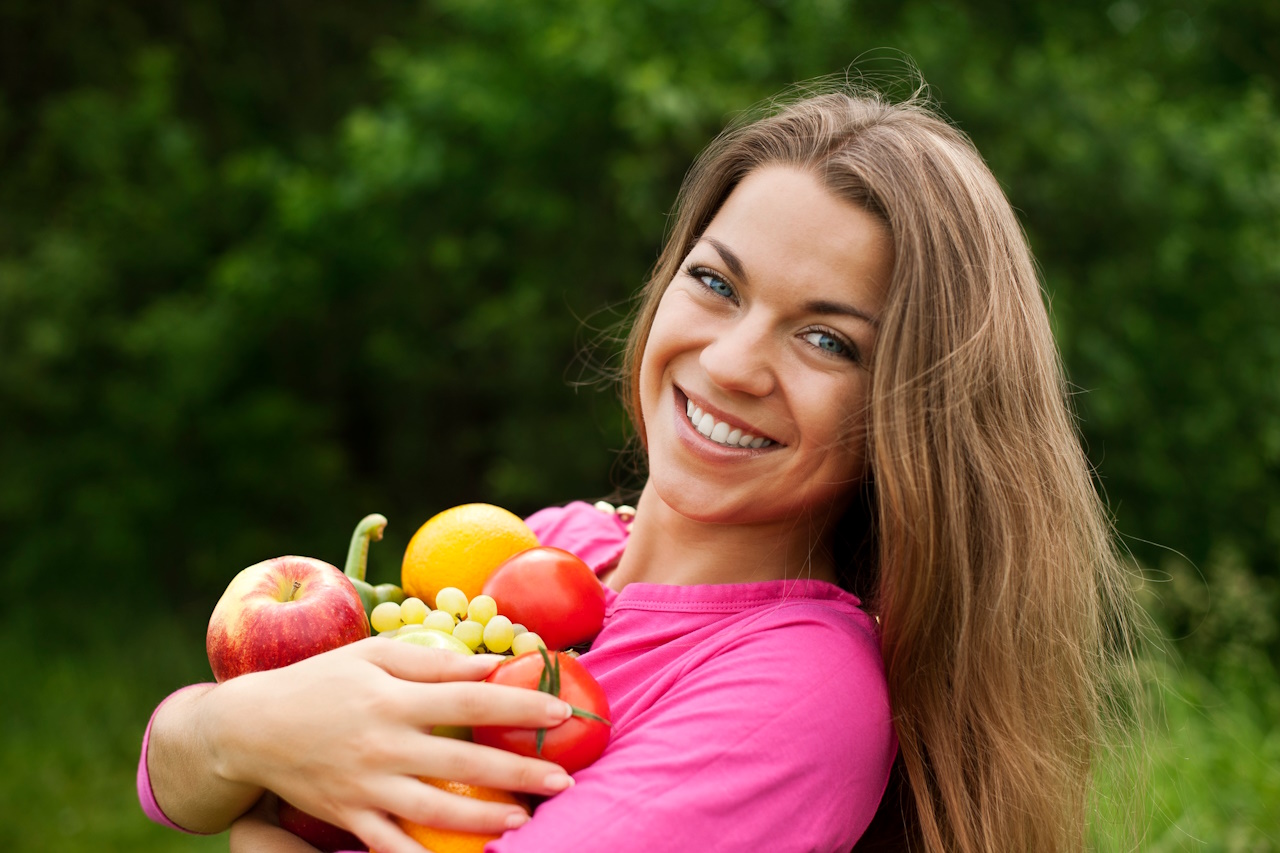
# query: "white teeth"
{"type": "Point", "coordinates": [719, 431]}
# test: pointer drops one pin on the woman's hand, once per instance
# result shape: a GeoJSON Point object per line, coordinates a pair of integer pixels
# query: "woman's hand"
{"type": "Point", "coordinates": [344, 736]}
{"type": "Point", "coordinates": [256, 831]}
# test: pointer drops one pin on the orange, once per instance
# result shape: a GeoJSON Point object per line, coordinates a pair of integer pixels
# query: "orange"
{"type": "Point", "coordinates": [451, 840]}
{"type": "Point", "coordinates": [461, 547]}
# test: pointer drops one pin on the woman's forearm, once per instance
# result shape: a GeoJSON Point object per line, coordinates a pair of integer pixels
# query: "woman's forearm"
{"type": "Point", "coordinates": [187, 765]}
{"type": "Point", "coordinates": [345, 736]}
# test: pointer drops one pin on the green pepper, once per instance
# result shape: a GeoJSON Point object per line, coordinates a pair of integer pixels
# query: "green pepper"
{"type": "Point", "coordinates": [369, 529]}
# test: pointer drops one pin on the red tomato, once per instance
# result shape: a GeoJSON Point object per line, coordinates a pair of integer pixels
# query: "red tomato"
{"type": "Point", "coordinates": [577, 741]}
{"type": "Point", "coordinates": [550, 592]}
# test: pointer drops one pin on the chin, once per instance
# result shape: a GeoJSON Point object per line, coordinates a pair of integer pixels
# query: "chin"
{"type": "Point", "coordinates": [709, 504]}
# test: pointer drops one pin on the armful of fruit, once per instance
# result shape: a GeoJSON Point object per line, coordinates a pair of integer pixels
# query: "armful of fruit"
{"type": "Point", "coordinates": [347, 732]}
{"type": "Point", "coordinates": [343, 736]}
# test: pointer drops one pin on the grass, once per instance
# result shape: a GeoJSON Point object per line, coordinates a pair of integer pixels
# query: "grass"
{"type": "Point", "coordinates": [75, 709]}
{"type": "Point", "coordinates": [1216, 780]}
{"type": "Point", "coordinates": [1211, 779]}
{"type": "Point", "coordinates": [75, 705]}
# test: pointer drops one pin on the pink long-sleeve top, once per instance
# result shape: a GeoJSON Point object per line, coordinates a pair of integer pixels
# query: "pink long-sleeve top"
{"type": "Point", "coordinates": [745, 716]}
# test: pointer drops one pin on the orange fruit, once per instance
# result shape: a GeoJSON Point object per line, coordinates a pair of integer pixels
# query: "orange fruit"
{"type": "Point", "coordinates": [451, 840]}
{"type": "Point", "coordinates": [461, 547]}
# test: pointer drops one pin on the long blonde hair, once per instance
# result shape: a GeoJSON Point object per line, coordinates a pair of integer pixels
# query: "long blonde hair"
{"type": "Point", "coordinates": [985, 549]}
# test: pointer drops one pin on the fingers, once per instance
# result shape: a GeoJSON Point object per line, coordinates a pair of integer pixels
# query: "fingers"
{"type": "Point", "coordinates": [473, 764]}
{"type": "Point", "coordinates": [464, 703]}
{"type": "Point", "coordinates": [382, 835]}
{"type": "Point", "coordinates": [428, 805]}
{"type": "Point", "coordinates": [415, 663]}
{"type": "Point", "coordinates": [439, 687]}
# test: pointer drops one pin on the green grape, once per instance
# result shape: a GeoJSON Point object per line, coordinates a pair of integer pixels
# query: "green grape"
{"type": "Point", "coordinates": [482, 608]}
{"type": "Point", "coordinates": [410, 628]}
{"type": "Point", "coordinates": [517, 628]}
{"type": "Point", "coordinates": [385, 617]}
{"type": "Point", "coordinates": [413, 611]}
{"type": "Point", "coordinates": [469, 632]}
{"type": "Point", "coordinates": [526, 642]}
{"type": "Point", "coordinates": [390, 635]}
{"type": "Point", "coordinates": [438, 620]}
{"type": "Point", "coordinates": [498, 634]}
{"type": "Point", "coordinates": [452, 600]}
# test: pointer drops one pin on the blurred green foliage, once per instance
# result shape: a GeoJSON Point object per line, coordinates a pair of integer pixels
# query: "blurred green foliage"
{"type": "Point", "coordinates": [266, 269]}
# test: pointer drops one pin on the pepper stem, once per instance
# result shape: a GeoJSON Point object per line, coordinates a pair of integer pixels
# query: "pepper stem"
{"type": "Point", "coordinates": [369, 529]}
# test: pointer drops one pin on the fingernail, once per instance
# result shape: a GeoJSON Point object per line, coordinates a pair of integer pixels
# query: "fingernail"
{"type": "Point", "coordinates": [559, 710]}
{"type": "Point", "coordinates": [558, 782]}
{"type": "Point", "coordinates": [517, 819]}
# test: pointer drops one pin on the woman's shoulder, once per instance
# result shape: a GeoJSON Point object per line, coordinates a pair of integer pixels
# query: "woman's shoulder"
{"type": "Point", "coordinates": [810, 614]}
{"type": "Point", "coordinates": [595, 534]}
{"type": "Point", "coordinates": [813, 638]}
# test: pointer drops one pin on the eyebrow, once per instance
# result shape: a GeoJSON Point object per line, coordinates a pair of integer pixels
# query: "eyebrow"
{"type": "Point", "coordinates": [819, 306]}
{"type": "Point", "coordinates": [730, 258]}
{"type": "Point", "coordinates": [822, 306]}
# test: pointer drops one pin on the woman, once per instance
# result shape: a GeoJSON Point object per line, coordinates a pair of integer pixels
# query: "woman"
{"type": "Point", "coordinates": [844, 380]}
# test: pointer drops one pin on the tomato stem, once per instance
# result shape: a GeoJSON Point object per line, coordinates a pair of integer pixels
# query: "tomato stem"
{"type": "Point", "coordinates": [549, 682]}
{"type": "Point", "coordinates": [587, 715]}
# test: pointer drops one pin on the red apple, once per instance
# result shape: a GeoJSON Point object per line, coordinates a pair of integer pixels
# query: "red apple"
{"type": "Point", "coordinates": [280, 611]}
{"type": "Point", "coordinates": [316, 832]}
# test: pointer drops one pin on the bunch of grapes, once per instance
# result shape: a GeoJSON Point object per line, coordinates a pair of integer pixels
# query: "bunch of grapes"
{"type": "Point", "coordinates": [476, 623]}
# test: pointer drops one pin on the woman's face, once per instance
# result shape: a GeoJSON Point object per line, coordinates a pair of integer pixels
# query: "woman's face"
{"type": "Point", "coordinates": [754, 379]}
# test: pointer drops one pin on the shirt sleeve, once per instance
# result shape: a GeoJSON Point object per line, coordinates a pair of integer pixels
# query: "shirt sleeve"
{"type": "Point", "coordinates": [783, 742]}
{"type": "Point", "coordinates": [597, 538]}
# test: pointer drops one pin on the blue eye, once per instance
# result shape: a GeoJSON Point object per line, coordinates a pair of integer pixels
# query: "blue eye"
{"type": "Point", "coordinates": [717, 285]}
{"type": "Point", "coordinates": [713, 282]}
{"type": "Point", "coordinates": [829, 343]}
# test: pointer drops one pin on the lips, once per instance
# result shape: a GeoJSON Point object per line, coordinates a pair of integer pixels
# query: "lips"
{"type": "Point", "coordinates": [722, 432]}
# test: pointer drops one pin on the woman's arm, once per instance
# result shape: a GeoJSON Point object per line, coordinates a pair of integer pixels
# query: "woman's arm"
{"type": "Point", "coordinates": [257, 832]}
{"type": "Point", "coordinates": [344, 736]}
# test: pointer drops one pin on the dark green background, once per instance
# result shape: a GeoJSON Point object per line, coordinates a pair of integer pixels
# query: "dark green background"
{"type": "Point", "coordinates": [267, 267]}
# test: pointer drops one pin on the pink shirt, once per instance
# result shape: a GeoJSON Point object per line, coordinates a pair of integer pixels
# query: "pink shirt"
{"type": "Point", "coordinates": [746, 716]}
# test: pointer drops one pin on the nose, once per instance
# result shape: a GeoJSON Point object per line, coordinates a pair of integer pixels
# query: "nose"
{"type": "Point", "coordinates": [740, 358]}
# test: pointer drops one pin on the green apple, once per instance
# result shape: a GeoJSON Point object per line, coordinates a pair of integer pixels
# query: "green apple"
{"type": "Point", "coordinates": [432, 639]}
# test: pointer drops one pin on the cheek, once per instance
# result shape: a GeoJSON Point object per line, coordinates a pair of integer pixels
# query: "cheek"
{"type": "Point", "coordinates": [661, 345]}
{"type": "Point", "coordinates": [844, 426]}
{"type": "Point", "coordinates": [854, 433]}
{"type": "Point", "coordinates": [650, 374]}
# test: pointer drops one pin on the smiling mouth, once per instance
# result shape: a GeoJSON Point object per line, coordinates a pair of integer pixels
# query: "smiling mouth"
{"type": "Point", "coordinates": [720, 432]}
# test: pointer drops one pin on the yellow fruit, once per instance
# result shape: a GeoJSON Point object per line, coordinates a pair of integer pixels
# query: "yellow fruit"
{"type": "Point", "coordinates": [432, 639]}
{"type": "Point", "coordinates": [461, 547]}
{"type": "Point", "coordinates": [451, 840]}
